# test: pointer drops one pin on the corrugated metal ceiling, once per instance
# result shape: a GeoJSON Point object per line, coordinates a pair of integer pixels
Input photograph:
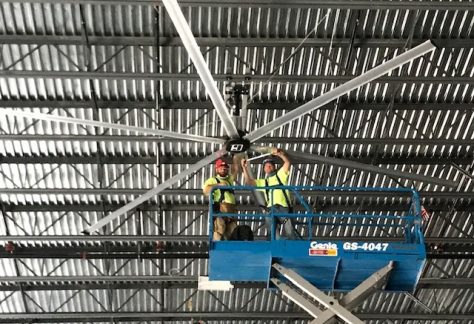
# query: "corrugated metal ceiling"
{"type": "Point", "coordinates": [290, 55]}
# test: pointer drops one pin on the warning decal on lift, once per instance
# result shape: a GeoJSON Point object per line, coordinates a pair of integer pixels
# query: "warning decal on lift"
{"type": "Point", "coordinates": [322, 249]}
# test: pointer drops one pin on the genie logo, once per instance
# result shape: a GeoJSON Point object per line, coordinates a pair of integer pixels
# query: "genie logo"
{"type": "Point", "coordinates": [322, 249]}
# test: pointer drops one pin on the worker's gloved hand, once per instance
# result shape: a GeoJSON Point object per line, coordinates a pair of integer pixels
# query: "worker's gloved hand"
{"type": "Point", "coordinates": [277, 152]}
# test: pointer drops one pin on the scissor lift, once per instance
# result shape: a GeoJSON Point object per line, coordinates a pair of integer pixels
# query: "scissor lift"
{"type": "Point", "coordinates": [328, 264]}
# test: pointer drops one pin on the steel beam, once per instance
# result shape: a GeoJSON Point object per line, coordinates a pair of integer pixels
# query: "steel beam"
{"type": "Point", "coordinates": [262, 141]}
{"type": "Point", "coordinates": [106, 104]}
{"type": "Point", "coordinates": [89, 285]}
{"type": "Point", "coordinates": [170, 251]}
{"type": "Point", "coordinates": [107, 251]}
{"type": "Point", "coordinates": [38, 283]}
{"type": "Point", "coordinates": [63, 317]}
{"type": "Point", "coordinates": [31, 247]}
{"type": "Point", "coordinates": [452, 283]}
{"type": "Point", "coordinates": [104, 282]}
{"type": "Point", "coordinates": [38, 253]}
{"type": "Point", "coordinates": [101, 279]}
{"type": "Point", "coordinates": [380, 158]}
{"type": "Point", "coordinates": [364, 141]}
{"type": "Point", "coordinates": [325, 4]}
{"type": "Point", "coordinates": [172, 41]}
{"type": "Point", "coordinates": [152, 76]}
{"type": "Point", "coordinates": [418, 317]}
{"type": "Point", "coordinates": [446, 195]}
{"type": "Point", "coordinates": [42, 253]}
{"type": "Point", "coordinates": [33, 254]}
{"type": "Point", "coordinates": [203, 239]}
{"type": "Point", "coordinates": [94, 207]}
{"type": "Point", "coordinates": [164, 247]}
{"type": "Point", "coordinates": [450, 256]}
{"type": "Point", "coordinates": [194, 105]}
{"type": "Point", "coordinates": [87, 317]}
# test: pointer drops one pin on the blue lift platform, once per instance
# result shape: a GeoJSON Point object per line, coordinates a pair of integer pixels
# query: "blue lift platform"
{"type": "Point", "coordinates": [324, 261]}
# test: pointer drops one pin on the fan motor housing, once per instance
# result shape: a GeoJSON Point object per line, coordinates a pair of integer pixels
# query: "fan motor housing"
{"type": "Point", "coordinates": [237, 145]}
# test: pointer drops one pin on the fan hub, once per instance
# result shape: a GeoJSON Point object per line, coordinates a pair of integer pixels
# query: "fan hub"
{"type": "Point", "coordinates": [237, 145]}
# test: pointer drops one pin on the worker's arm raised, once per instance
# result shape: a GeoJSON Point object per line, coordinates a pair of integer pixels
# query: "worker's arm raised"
{"type": "Point", "coordinates": [234, 168]}
{"type": "Point", "coordinates": [286, 161]}
{"type": "Point", "coordinates": [248, 179]}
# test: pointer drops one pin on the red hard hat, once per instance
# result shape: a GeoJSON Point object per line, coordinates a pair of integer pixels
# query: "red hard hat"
{"type": "Point", "coordinates": [221, 162]}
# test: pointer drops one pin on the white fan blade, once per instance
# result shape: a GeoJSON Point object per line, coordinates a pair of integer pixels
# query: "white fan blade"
{"type": "Point", "coordinates": [189, 42]}
{"type": "Point", "coordinates": [142, 130]}
{"type": "Point", "coordinates": [370, 168]}
{"type": "Point", "coordinates": [153, 192]}
{"type": "Point", "coordinates": [341, 90]}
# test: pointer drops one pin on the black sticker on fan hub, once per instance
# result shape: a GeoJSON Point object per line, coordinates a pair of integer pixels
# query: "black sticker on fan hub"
{"type": "Point", "coordinates": [237, 145]}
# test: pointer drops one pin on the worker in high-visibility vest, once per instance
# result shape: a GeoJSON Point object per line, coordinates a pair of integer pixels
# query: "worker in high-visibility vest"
{"type": "Point", "coordinates": [277, 200]}
{"type": "Point", "coordinates": [223, 199]}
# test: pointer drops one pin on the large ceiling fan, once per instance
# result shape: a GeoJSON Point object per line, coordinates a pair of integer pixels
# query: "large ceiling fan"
{"type": "Point", "coordinates": [239, 142]}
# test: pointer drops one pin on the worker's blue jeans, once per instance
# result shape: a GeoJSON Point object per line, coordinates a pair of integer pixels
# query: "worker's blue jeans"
{"type": "Point", "coordinates": [288, 229]}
